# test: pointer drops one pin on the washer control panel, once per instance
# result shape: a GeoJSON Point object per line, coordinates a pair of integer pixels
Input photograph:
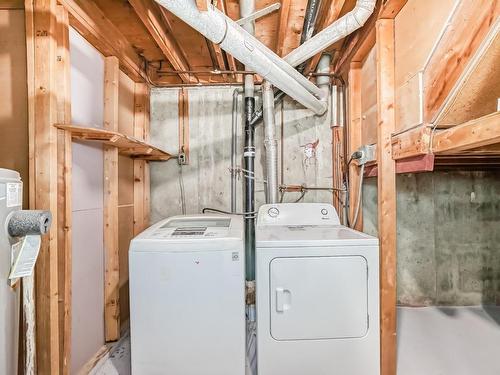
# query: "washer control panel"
{"type": "Point", "coordinates": [298, 214]}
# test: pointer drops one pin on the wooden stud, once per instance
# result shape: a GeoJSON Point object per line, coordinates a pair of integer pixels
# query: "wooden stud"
{"type": "Point", "coordinates": [64, 156]}
{"type": "Point", "coordinates": [152, 19]}
{"type": "Point", "coordinates": [89, 20]}
{"type": "Point", "coordinates": [283, 25]}
{"type": "Point", "coordinates": [386, 120]}
{"type": "Point", "coordinates": [140, 113]}
{"type": "Point", "coordinates": [354, 134]}
{"type": "Point", "coordinates": [41, 65]}
{"type": "Point", "coordinates": [111, 254]}
{"type": "Point", "coordinates": [184, 123]}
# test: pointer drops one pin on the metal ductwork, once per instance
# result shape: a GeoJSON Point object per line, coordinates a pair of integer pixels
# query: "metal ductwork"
{"type": "Point", "coordinates": [333, 33]}
{"type": "Point", "coordinates": [270, 143]}
{"type": "Point", "coordinates": [233, 39]}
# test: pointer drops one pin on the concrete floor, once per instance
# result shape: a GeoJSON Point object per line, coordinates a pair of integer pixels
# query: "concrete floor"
{"type": "Point", "coordinates": [431, 341]}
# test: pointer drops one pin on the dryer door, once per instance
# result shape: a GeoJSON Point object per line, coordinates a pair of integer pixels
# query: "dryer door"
{"type": "Point", "coordinates": [316, 298]}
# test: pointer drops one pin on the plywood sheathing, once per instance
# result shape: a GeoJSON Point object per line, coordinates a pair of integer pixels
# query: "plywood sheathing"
{"type": "Point", "coordinates": [478, 91]}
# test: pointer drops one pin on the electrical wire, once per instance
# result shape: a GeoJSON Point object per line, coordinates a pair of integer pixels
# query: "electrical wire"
{"type": "Point", "coordinates": [248, 215]}
{"type": "Point", "coordinates": [181, 187]}
{"type": "Point", "coordinates": [358, 203]}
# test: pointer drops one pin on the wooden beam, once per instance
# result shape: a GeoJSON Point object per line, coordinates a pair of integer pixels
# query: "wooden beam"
{"type": "Point", "coordinates": [140, 120]}
{"type": "Point", "coordinates": [184, 124]}
{"type": "Point", "coordinates": [329, 12]}
{"type": "Point", "coordinates": [386, 120]}
{"type": "Point", "coordinates": [355, 141]}
{"type": "Point", "coordinates": [283, 25]}
{"type": "Point", "coordinates": [41, 64]}
{"type": "Point", "coordinates": [89, 20]}
{"type": "Point", "coordinates": [152, 18]}
{"type": "Point", "coordinates": [64, 166]}
{"type": "Point", "coordinates": [202, 5]}
{"type": "Point", "coordinates": [357, 42]}
{"type": "Point", "coordinates": [481, 132]}
{"type": "Point", "coordinates": [111, 256]}
{"type": "Point", "coordinates": [11, 4]}
{"type": "Point", "coordinates": [463, 36]}
{"type": "Point", "coordinates": [391, 8]}
{"type": "Point", "coordinates": [414, 142]}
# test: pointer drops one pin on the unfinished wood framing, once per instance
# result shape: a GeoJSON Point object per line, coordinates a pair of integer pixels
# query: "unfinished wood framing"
{"type": "Point", "coordinates": [89, 20]}
{"type": "Point", "coordinates": [41, 52]}
{"type": "Point", "coordinates": [184, 124]}
{"type": "Point", "coordinates": [64, 156]}
{"type": "Point", "coordinates": [386, 184]}
{"type": "Point", "coordinates": [141, 120]}
{"type": "Point", "coordinates": [282, 28]}
{"type": "Point", "coordinates": [354, 136]}
{"type": "Point", "coordinates": [152, 19]}
{"type": "Point", "coordinates": [111, 255]}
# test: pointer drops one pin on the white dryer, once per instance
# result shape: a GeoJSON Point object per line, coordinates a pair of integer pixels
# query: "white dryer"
{"type": "Point", "coordinates": [187, 297]}
{"type": "Point", "coordinates": [317, 293]}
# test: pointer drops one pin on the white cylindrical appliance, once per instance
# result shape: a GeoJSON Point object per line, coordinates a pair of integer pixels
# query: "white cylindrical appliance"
{"type": "Point", "coordinates": [10, 200]}
{"type": "Point", "coordinates": [187, 297]}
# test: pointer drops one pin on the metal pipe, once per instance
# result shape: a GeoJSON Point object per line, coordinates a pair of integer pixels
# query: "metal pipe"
{"type": "Point", "coordinates": [233, 39]}
{"type": "Point", "coordinates": [333, 33]}
{"type": "Point", "coordinates": [270, 143]}
{"type": "Point", "coordinates": [234, 146]}
{"type": "Point", "coordinates": [309, 23]}
{"type": "Point", "coordinates": [323, 81]}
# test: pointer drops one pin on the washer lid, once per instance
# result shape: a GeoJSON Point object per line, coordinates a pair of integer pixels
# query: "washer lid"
{"type": "Point", "coordinates": [200, 231]}
{"type": "Point", "coordinates": [310, 236]}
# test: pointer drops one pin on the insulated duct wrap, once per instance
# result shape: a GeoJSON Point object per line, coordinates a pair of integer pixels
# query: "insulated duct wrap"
{"type": "Point", "coordinates": [333, 33]}
{"type": "Point", "coordinates": [29, 222]}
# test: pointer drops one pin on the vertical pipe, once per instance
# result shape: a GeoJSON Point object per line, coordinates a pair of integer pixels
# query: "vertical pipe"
{"type": "Point", "coordinates": [323, 82]}
{"type": "Point", "coordinates": [247, 7]}
{"type": "Point", "coordinates": [270, 143]}
{"type": "Point", "coordinates": [234, 145]}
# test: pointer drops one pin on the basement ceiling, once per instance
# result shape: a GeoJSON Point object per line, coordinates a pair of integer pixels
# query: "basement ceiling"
{"type": "Point", "coordinates": [202, 58]}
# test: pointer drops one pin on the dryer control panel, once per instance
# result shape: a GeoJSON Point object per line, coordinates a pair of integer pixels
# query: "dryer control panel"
{"type": "Point", "coordinates": [298, 214]}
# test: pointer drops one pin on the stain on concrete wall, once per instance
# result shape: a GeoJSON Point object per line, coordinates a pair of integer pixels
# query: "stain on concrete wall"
{"type": "Point", "coordinates": [206, 179]}
{"type": "Point", "coordinates": [448, 237]}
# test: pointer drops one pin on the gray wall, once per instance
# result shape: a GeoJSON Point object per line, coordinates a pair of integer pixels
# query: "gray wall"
{"type": "Point", "coordinates": [87, 297]}
{"type": "Point", "coordinates": [207, 177]}
{"type": "Point", "coordinates": [448, 236]}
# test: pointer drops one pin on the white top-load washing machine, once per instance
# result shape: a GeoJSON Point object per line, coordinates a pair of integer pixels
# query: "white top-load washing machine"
{"type": "Point", "coordinates": [187, 297]}
{"type": "Point", "coordinates": [317, 293]}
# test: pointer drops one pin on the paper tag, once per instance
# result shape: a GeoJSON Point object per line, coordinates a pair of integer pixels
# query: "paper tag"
{"type": "Point", "coordinates": [24, 255]}
{"type": "Point", "coordinates": [14, 194]}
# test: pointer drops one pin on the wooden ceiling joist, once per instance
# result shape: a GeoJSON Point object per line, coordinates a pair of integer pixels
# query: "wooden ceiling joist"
{"type": "Point", "coordinates": [283, 24]}
{"type": "Point", "coordinates": [151, 17]}
{"type": "Point", "coordinates": [481, 132]}
{"type": "Point", "coordinates": [89, 20]}
{"type": "Point", "coordinates": [202, 5]}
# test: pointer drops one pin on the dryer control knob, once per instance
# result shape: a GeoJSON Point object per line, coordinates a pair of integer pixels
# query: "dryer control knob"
{"type": "Point", "coordinates": [273, 212]}
{"type": "Point", "coordinates": [324, 211]}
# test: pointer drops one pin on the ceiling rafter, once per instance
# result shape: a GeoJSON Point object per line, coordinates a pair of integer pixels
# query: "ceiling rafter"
{"type": "Point", "coordinates": [283, 24]}
{"type": "Point", "coordinates": [151, 16]}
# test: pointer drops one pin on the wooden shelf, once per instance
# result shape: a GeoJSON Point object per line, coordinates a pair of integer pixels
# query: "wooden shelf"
{"type": "Point", "coordinates": [126, 145]}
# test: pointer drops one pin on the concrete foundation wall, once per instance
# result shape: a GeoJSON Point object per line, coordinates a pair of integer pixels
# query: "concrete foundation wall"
{"type": "Point", "coordinates": [305, 142]}
{"type": "Point", "coordinates": [448, 236]}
